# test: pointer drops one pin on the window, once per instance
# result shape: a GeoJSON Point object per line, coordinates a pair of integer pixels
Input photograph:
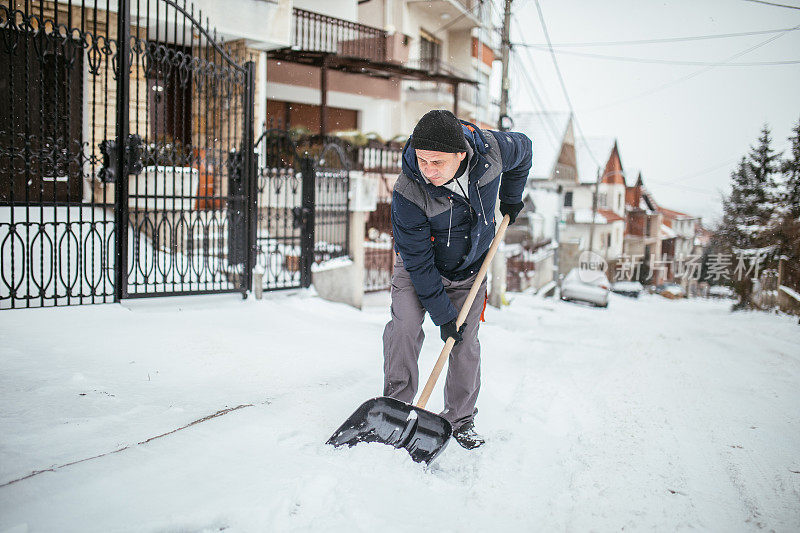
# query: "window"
{"type": "Point", "coordinates": [41, 120]}
{"type": "Point", "coordinates": [430, 51]}
{"type": "Point", "coordinates": [568, 199]}
{"type": "Point", "coordinates": [619, 202]}
{"type": "Point", "coordinates": [608, 240]}
{"type": "Point", "coordinates": [292, 115]}
{"type": "Point", "coordinates": [169, 103]}
{"type": "Point", "coordinates": [602, 199]}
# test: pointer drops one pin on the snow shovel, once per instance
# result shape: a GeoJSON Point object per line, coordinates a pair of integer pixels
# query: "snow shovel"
{"type": "Point", "coordinates": [389, 421]}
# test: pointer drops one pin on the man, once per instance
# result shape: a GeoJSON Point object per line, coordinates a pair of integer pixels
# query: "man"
{"type": "Point", "coordinates": [443, 207]}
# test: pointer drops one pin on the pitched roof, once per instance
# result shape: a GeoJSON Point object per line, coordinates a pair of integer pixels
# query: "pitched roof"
{"type": "Point", "coordinates": [547, 131]}
{"type": "Point", "coordinates": [590, 152]}
{"type": "Point", "coordinates": [673, 214]}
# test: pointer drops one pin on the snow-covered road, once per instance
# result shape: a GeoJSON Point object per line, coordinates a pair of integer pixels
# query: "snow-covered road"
{"type": "Point", "coordinates": [653, 414]}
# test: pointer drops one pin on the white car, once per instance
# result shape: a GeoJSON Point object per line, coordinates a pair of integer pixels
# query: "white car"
{"type": "Point", "coordinates": [586, 286]}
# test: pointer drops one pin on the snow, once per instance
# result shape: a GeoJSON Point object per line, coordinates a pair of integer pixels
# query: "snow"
{"type": "Point", "coordinates": [790, 292]}
{"type": "Point", "coordinates": [517, 250]}
{"type": "Point", "coordinates": [751, 229]}
{"type": "Point", "coordinates": [584, 216]}
{"type": "Point", "coordinates": [331, 264]}
{"type": "Point", "coordinates": [674, 290]}
{"type": "Point", "coordinates": [627, 286]}
{"type": "Point", "coordinates": [755, 252]}
{"type": "Point", "coordinates": [721, 290]}
{"type": "Point", "coordinates": [653, 414]}
{"type": "Point", "coordinates": [667, 232]}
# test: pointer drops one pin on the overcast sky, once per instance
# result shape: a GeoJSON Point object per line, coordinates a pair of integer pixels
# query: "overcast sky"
{"type": "Point", "coordinates": [686, 137]}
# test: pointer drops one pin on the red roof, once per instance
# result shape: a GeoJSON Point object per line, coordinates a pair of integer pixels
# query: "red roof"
{"type": "Point", "coordinates": [609, 215]}
{"type": "Point", "coordinates": [673, 214]}
{"type": "Point", "coordinates": [614, 178]}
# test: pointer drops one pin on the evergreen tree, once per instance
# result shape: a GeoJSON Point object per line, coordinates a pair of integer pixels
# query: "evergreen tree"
{"type": "Point", "coordinates": [761, 185]}
{"type": "Point", "coordinates": [787, 232]}
{"type": "Point", "coordinates": [742, 220]}
{"type": "Point", "coordinates": [791, 175]}
{"type": "Point", "coordinates": [750, 212]}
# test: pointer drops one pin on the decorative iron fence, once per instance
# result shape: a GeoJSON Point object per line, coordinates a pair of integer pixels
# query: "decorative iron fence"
{"type": "Point", "coordinates": [379, 248]}
{"type": "Point", "coordinates": [57, 243]}
{"type": "Point", "coordinates": [191, 104]}
{"type": "Point", "coordinates": [384, 164]}
{"type": "Point", "coordinates": [123, 171]}
{"type": "Point", "coordinates": [302, 208]}
{"type": "Point", "coordinates": [331, 204]}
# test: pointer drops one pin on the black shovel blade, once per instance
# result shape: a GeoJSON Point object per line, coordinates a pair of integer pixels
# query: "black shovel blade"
{"type": "Point", "coordinates": [390, 421]}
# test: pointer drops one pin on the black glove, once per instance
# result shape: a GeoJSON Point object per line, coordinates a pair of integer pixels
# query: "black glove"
{"type": "Point", "coordinates": [449, 330]}
{"type": "Point", "coordinates": [512, 210]}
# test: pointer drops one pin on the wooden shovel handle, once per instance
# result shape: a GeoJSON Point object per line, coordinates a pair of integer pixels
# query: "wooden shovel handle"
{"type": "Point", "coordinates": [462, 316]}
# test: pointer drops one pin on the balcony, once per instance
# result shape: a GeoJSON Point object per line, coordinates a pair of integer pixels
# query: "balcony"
{"type": "Point", "coordinates": [459, 15]}
{"type": "Point", "coordinates": [333, 44]}
{"type": "Point", "coordinates": [315, 32]}
{"type": "Point", "coordinates": [434, 92]}
{"type": "Point", "coordinates": [324, 41]}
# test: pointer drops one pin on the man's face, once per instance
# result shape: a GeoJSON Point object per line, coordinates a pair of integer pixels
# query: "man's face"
{"type": "Point", "coordinates": [439, 167]}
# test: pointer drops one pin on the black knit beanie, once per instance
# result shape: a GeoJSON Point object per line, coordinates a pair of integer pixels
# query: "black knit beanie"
{"type": "Point", "coordinates": [439, 131]}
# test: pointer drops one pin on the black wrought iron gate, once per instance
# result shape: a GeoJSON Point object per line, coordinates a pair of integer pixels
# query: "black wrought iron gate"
{"type": "Point", "coordinates": [302, 208]}
{"type": "Point", "coordinates": [124, 162]}
{"type": "Point", "coordinates": [182, 217]}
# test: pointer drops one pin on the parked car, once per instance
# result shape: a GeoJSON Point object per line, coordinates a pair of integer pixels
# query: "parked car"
{"type": "Point", "coordinates": [631, 289]}
{"type": "Point", "coordinates": [720, 291]}
{"type": "Point", "coordinates": [585, 286]}
{"type": "Point", "coordinates": [672, 291]}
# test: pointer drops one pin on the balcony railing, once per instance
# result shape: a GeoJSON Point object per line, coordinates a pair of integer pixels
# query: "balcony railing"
{"type": "Point", "coordinates": [316, 32]}
{"type": "Point", "coordinates": [436, 66]}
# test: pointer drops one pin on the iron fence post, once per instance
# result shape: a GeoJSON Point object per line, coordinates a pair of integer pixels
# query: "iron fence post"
{"type": "Point", "coordinates": [249, 174]}
{"type": "Point", "coordinates": [308, 202]}
{"type": "Point", "coordinates": [121, 185]}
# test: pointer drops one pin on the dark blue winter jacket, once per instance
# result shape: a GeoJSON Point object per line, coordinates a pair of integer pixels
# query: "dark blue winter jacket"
{"type": "Point", "coordinates": [441, 233]}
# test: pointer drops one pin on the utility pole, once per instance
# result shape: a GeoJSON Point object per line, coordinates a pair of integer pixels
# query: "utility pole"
{"type": "Point", "coordinates": [505, 52]}
{"type": "Point", "coordinates": [594, 210]}
{"type": "Point", "coordinates": [498, 292]}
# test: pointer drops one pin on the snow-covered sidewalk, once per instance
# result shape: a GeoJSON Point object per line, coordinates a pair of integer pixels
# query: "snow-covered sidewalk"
{"type": "Point", "coordinates": [652, 414]}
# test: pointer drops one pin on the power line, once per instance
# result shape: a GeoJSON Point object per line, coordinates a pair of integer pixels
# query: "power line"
{"type": "Point", "coordinates": [695, 73]}
{"type": "Point", "coordinates": [534, 73]}
{"type": "Point", "coordinates": [563, 84]}
{"type": "Point", "coordinates": [696, 190]}
{"type": "Point", "coordinates": [663, 40]}
{"type": "Point", "coordinates": [530, 76]}
{"type": "Point", "coordinates": [772, 4]}
{"type": "Point", "coordinates": [699, 173]}
{"type": "Point", "coordinates": [661, 61]}
{"type": "Point", "coordinates": [551, 129]}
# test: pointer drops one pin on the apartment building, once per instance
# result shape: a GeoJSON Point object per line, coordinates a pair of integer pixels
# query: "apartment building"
{"type": "Point", "coordinates": [376, 66]}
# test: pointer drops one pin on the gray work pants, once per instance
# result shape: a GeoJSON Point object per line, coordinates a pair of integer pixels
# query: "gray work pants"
{"type": "Point", "coordinates": [402, 342]}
